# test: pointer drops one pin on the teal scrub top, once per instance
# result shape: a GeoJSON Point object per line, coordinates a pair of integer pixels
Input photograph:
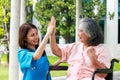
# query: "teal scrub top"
{"type": "Point", "coordinates": [33, 70]}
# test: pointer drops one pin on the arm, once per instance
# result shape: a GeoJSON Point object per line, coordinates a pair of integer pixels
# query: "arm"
{"type": "Point", "coordinates": [41, 47]}
{"type": "Point", "coordinates": [55, 48]}
{"type": "Point", "coordinates": [95, 63]}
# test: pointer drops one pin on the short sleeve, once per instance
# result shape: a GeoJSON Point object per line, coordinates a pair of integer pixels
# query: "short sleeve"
{"type": "Point", "coordinates": [25, 58]}
{"type": "Point", "coordinates": [66, 51]}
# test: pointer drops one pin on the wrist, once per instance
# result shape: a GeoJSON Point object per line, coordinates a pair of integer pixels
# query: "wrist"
{"type": "Point", "coordinates": [52, 35]}
{"type": "Point", "coordinates": [47, 34]}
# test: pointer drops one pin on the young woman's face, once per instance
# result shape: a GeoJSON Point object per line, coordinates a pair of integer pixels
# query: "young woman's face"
{"type": "Point", "coordinates": [32, 38]}
{"type": "Point", "coordinates": [81, 33]}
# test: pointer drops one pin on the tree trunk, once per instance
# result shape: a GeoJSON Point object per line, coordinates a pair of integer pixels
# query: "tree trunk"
{"type": "Point", "coordinates": [22, 20]}
{"type": "Point", "coordinates": [23, 12]}
{"type": "Point", "coordinates": [78, 10]}
{"type": "Point", "coordinates": [14, 25]}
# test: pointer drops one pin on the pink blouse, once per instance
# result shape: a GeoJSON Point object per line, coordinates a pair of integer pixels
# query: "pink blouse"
{"type": "Point", "coordinates": [80, 67]}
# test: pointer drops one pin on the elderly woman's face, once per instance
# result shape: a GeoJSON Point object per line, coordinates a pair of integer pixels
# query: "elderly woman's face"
{"type": "Point", "coordinates": [82, 35]}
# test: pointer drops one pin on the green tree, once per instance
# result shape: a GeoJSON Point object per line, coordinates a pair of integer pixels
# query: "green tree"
{"type": "Point", "coordinates": [89, 6]}
{"type": "Point", "coordinates": [4, 17]}
{"type": "Point", "coordinates": [5, 22]}
{"type": "Point", "coordinates": [64, 12]}
{"type": "Point", "coordinates": [29, 8]}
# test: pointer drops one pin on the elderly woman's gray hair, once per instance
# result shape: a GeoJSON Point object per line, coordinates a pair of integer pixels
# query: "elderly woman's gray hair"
{"type": "Point", "coordinates": [92, 30]}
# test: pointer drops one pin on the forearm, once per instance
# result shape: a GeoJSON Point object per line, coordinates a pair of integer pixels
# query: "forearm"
{"type": "Point", "coordinates": [41, 47]}
{"type": "Point", "coordinates": [97, 65]}
{"type": "Point", "coordinates": [55, 48]}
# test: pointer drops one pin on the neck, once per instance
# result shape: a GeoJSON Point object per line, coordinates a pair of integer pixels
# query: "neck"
{"type": "Point", "coordinates": [30, 47]}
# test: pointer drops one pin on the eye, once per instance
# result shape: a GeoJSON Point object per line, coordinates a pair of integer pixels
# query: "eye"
{"type": "Point", "coordinates": [32, 34]}
{"type": "Point", "coordinates": [36, 33]}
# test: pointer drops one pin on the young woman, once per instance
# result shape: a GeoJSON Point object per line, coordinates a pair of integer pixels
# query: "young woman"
{"type": "Point", "coordinates": [31, 56]}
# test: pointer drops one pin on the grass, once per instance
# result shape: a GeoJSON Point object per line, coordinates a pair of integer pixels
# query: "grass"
{"type": "Point", "coordinates": [52, 59]}
{"type": "Point", "coordinates": [4, 68]}
{"type": "Point", "coordinates": [3, 72]}
{"type": "Point", "coordinates": [4, 57]}
{"type": "Point", "coordinates": [117, 66]}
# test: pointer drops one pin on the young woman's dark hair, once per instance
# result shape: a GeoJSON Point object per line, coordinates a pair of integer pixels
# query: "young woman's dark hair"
{"type": "Point", "coordinates": [23, 31]}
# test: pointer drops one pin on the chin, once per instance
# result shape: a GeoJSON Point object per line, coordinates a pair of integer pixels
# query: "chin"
{"type": "Point", "coordinates": [36, 44]}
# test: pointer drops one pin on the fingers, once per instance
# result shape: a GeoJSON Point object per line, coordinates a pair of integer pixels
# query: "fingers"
{"type": "Point", "coordinates": [53, 22]}
{"type": "Point", "coordinates": [49, 24]}
{"type": "Point", "coordinates": [52, 26]}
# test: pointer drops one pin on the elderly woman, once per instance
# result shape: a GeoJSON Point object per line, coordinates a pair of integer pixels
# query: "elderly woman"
{"type": "Point", "coordinates": [85, 55]}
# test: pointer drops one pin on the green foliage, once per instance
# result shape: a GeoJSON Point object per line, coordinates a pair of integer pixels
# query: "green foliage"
{"type": "Point", "coordinates": [1, 32]}
{"type": "Point", "coordinates": [29, 8]}
{"type": "Point", "coordinates": [64, 12]}
{"type": "Point", "coordinates": [4, 17]}
{"type": "Point", "coordinates": [88, 9]}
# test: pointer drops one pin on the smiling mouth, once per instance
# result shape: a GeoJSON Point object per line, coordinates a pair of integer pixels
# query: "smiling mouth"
{"type": "Point", "coordinates": [35, 41]}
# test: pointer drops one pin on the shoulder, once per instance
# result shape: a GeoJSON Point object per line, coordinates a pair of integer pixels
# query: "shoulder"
{"type": "Point", "coordinates": [102, 46]}
{"type": "Point", "coordinates": [74, 44]}
{"type": "Point", "coordinates": [24, 53]}
{"type": "Point", "coordinates": [22, 50]}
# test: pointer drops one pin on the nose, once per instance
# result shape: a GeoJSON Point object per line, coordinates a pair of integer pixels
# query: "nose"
{"type": "Point", "coordinates": [78, 33]}
{"type": "Point", "coordinates": [36, 36]}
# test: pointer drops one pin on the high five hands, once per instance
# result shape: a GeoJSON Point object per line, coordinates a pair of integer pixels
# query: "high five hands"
{"type": "Point", "coordinates": [51, 29]}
